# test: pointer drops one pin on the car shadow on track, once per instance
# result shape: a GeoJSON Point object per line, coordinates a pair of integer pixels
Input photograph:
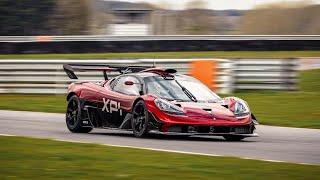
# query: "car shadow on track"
{"type": "Point", "coordinates": [171, 137]}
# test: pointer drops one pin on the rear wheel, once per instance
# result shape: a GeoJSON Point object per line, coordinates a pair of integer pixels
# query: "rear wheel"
{"type": "Point", "coordinates": [140, 119]}
{"type": "Point", "coordinates": [233, 138]}
{"type": "Point", "coordinates": [73, 116]}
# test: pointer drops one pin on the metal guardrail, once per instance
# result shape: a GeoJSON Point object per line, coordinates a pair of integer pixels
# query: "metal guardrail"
{"type": "Point", "coordinates": [309, 63]}
{"type": "Point", "coordinates": [266, 74]}
{"type": "Point", "coordinates": [155, 38]}
{"type": "Point", "coordinates": [47, 76]}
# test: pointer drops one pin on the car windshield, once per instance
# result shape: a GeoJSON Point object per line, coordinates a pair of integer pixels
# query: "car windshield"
{"type": "Point", "coordinates": [173, 89]}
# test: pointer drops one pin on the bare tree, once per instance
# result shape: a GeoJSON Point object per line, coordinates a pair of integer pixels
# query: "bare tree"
{"type": "Point", "coordinates": [278, 18]}
{"type": "Point", "coordinates": [196, 21]}
{"type": "Point", "coordinates": [71, 17]}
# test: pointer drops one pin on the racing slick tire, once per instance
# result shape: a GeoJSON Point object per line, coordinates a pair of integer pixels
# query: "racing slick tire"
{"type": "Point", "coordinates": [140, 119]}
{"type": "Point", "coordinates": [233, 138]}
{"type": "Point", "coordinates": [73, 116]}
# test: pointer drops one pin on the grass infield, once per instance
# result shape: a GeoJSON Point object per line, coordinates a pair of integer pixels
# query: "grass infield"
{"type": "Point", "coordinates": [27, 158]}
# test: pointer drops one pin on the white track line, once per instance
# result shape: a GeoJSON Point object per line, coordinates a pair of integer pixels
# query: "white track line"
{"type": "Point", "coordinates": [166, 150]}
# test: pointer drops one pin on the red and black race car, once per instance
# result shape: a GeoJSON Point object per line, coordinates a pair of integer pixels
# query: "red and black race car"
{"type": "Point", "coordinates": [153, 100]}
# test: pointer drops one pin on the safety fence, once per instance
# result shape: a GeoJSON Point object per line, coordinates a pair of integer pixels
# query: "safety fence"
{"type": "Point", "coordinates": [221, 75]}
{"type": "Point", "coordinates": [155, 38]}
{"type": "Point", "coordinates": [266, 74]}
{"type": "Point", "coordinates": [156, 43]}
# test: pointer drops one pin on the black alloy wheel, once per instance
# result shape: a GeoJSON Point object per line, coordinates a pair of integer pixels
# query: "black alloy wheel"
{"type": "Point", "coordinates": [73, 116]}
{"type": "Point", "coordinates": [140, 119]}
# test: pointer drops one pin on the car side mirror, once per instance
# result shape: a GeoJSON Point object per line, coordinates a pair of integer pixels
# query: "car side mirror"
{"type": "Point", "coordinates": [129, 83]}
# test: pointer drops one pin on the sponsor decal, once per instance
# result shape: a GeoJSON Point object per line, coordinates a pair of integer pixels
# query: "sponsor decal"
{"type": "Point", "coordinates": [111, 106]}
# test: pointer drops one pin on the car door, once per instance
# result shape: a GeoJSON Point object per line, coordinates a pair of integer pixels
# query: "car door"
{"type": "Point", "coordinates": [120, 98]}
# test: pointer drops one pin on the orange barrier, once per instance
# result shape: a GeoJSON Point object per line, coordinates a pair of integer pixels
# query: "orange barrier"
{"type": "Point", "coordinates": [205, 71]}
{"type": "Point", "coordinates": [44, 38]}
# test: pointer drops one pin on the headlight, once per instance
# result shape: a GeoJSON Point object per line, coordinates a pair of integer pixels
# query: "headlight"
{"type": "Point", "coordinates": [241, 108]}
{"type": "Point", "coordinates": [168, 107]}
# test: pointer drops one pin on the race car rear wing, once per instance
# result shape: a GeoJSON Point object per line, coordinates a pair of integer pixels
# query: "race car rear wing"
{"type": "Point", "coordinates": [71, 68]}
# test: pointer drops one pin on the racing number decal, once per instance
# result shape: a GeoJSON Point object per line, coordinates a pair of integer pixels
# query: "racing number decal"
{"type": "Point", "coordinates": [114, 106]}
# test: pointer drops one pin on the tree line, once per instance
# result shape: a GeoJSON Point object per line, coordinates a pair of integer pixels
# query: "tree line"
{"type": "Point", "coordinates": [45, 17]}
{"type": "Point", "coordinates": [75, 17]}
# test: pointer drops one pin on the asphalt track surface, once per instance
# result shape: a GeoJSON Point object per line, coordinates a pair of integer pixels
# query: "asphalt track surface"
{"type": "Point", "coordinates": [295, 145]}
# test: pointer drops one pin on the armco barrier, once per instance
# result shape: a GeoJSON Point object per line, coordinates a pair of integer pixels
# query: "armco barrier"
{"type": "Point", "coordinates": [266, 74]}
{"type": "Point", "coordinates": [158, 38]}
{"type": "Point", "coordinates": [221, 75]}
{"type": "Point", "coordinates": [104, 43]}
{"type": "Point", "coordinates": [308, 63]}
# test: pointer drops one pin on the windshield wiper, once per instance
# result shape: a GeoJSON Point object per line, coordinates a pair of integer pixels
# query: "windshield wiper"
{"type": "Point", "coordinates": [187, 92]}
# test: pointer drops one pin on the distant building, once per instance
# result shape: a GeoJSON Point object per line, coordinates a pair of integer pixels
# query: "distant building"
{"type": "Point", "coordinates": [130, 22]}
{"type": "Point", "coordinates": [125, 18]}
{"type": "Point", "coordinates": [122, 18]}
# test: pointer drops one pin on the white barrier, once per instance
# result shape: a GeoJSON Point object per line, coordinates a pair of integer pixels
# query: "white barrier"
{"type": "Point", "coordinates": [266, 74]}
{"type": "Point", "coordinates": [155, 37]}
{"type": "Point", "coordinates": [47, 76]}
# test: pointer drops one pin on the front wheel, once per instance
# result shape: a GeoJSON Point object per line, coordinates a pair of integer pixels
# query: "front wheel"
{"type": "Point", "coordinates": [140, 119]}
{"type": "Point", "coordinates": [233, 138]}
{"type": "Point", "coordinates": [73, 116]}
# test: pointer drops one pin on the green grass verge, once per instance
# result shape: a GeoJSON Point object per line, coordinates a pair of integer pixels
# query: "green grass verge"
{"type": "Point", "coordinates": [195, 54]}
{"type": "Point", "coordinates": [27, 158]}
{"type": "Point", "coordinates": [28, 102]}
{"type": "Point", "coordinates": [292, 109]}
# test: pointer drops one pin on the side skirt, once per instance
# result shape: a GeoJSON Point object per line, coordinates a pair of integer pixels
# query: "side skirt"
{"type": "Point", "coordinates": [95, 120]}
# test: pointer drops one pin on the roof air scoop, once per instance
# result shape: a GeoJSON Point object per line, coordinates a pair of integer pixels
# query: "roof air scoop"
{"type": "Point", "coordinates": [170, 71]}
